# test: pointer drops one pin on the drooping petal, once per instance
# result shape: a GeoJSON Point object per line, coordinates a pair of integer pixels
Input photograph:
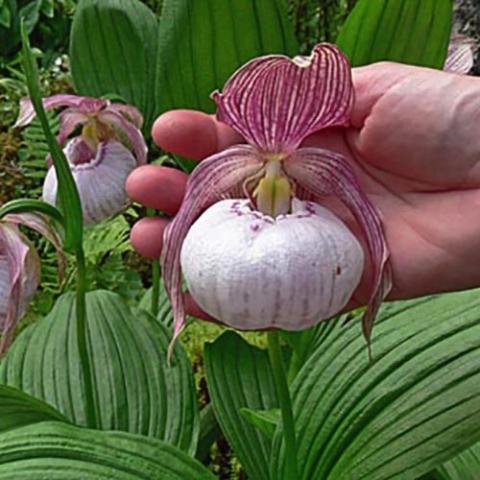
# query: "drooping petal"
{"type": "Point", "coordinates": [41, 224]}
{"type": "Point", "coordinates": [127, 133]}
{"type": "Point", "coordinates": [100, 181]}
{"type": "Point", "coordinates": [5, 287]}
{"type": "Point", "coordinates": [131, 113]}
{"type": "Point", "coordinates": [19, 279]}
{"type": "Point", "coordinates": [322, 172]}
{"type": "Point", "coordinates": [274, 102]}
{"type": "Point", "coordinates": [253, 272]}
{"type": "Point", "coordinates": [460, 55]}
{"type": "Point", "coordinates": [70, 119]}
{"type": "Point", "coordinates": [214, 179]}
{"type": "Point", "coordinates": [84, 104]}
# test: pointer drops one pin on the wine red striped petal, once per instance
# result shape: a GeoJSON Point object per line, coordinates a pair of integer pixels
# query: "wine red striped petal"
{"type": "Point", "coordinates": [322, 172]}
{"type": "Point", "coordinates": [214, 179]}
{"type": "Point", "coordinates": [274, 102]}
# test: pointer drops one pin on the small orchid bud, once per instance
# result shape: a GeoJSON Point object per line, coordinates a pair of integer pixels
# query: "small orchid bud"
{"type": "Point", "coordinates": [109, 147]}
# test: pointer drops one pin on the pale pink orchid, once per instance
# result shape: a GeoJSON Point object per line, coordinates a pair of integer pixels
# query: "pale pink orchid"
{"type": "Point", "coordinates": [460, 57]}
{"type": "Point", "coordinates": [271, 256]}
{"type": "Point", "coordinates": [20, 268]}
{"type": "Point", "coordinates": [101, 156]}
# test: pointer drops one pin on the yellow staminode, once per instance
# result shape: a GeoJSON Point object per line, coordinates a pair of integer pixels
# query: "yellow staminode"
{"type": "Point", "coordinates": [274, 191]}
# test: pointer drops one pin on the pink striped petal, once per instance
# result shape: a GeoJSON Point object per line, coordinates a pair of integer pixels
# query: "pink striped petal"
{"type": "Point", "coordinates": [19, 279]}
{"type": "Point", "coordinates": [460, 55]}
{"type": "Point", "coordinates": [127, 133]}
{"type": "Point", "coordinates": [321, 172]}
{"type": "Point", "coordinates": [274, 102]}
{"type": "Point", "coordinates": [131, 113]}
{"type": "Point", "coordinates": [84, 104]}
{"type": "Point", "coordinates": [41, 224]}
{"type": "Point", "coordinates": [216, 178]}
{"type": "Point", "coordinates": [70, 119]}
{"type": "Point", "coordinates": [100, 181]}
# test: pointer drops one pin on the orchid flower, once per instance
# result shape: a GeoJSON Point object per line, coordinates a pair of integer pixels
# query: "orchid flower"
{"type": "Point", "coordinates": [20, 268]}
{"type": "Point", "coordinates": [460, 55]}
{"type": "Point", "coordinates": [109, 146]}
{"type": "Point", "coordinates": [271, 256]}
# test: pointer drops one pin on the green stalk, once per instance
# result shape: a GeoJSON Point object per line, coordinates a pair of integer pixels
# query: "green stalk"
{"type": "Point", "coordinates": [155, 287]}
{"type": "Point", "coordinates": [280, 376]}
{"type": "Point", "coordinates": [82, 331]}
{"type": "Point", "coordinates": [155, 277]}
{"type": "Point", "coordinates": [69, 201]}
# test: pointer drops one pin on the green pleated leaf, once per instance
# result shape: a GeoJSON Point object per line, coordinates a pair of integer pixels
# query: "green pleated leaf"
{"type": "Point", "coordinates": [165, 314]}
{"type": "Point", "coordinates": [5, 16]}
{"type": "Point", "coordinates": [209, 432]}
{"type": "Point", "coordinates": [134, 389]}
{"type": "Point", "coordinates": [239, 376]}
{"type": "Point", "coordinates": [192, 51]}
{"type": "Point", "coordinates": [303, 344]}
{"type": "Point", "coordinates": [112, 51]}
{"type": "Point", "coordinates": [415, 407]}
{"type": "Point", "coordinates": [18, 409]}
{"type": "Point", "coordinates": [265, 420]}
{"type": "Point", "coordinates": [201, 44]}
{"type": "Point", "coordinates": [56, 451]}
{"type": "Point", "coordinates": [465, 466]}
{"type": "Point", "coordinates": [407, 31]}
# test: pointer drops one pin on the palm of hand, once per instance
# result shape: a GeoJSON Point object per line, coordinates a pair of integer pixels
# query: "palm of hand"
{"type": "Point", "coordinates": [414, 149]}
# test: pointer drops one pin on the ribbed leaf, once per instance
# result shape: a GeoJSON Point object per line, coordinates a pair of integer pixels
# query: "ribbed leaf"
{"type": "Point", "coordinates": [116, 47]}
{"type": "Point", "coordinates": [56, 451]}
{"type": "Point", "coordinates": [265, 420]}
{"type": "Point", "coordinates": [165, 314]}
{"type": "Point", "coordinates": [238, 376]}
{"type": "Point", "coordinates": [135, 391]}
{"type": "Point", "coordinates": [202, 43]}
{"type": "Point", "coordinates": [407, 31]}
{"type": "Point", "coordinates": [465, 466]}
{"type": "Point", "coordinates": [18, 409]}
{"type": "Point", "coordinates": [209, 432]}
{"type": "Point", "coordinates": [415, 407]}
{"type": "Point", "coordinates": [112, 50]}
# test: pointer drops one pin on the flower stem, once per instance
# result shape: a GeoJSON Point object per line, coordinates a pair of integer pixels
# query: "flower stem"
{"type": "Point", "coordinates": [155, 276]}
{"type": "Point", "coordinates": [155, 287]}
{"type": "Point", "coordinates": [82, 327]}
{"type": "Point", "coordinates": [280, 376]}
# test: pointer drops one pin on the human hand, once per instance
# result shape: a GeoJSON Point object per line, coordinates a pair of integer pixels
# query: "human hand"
{"type": "Point", "coordinates": [415, 150]}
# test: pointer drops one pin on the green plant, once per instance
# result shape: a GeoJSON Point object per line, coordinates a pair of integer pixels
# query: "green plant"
{"type": "Point", "coordinates": [47, 20]}
{"type": "Point", "coordinates": [100, 362]}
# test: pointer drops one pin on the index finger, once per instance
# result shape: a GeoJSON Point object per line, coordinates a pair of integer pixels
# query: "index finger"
{"type": "Point", "coordinates": [192, 134]}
